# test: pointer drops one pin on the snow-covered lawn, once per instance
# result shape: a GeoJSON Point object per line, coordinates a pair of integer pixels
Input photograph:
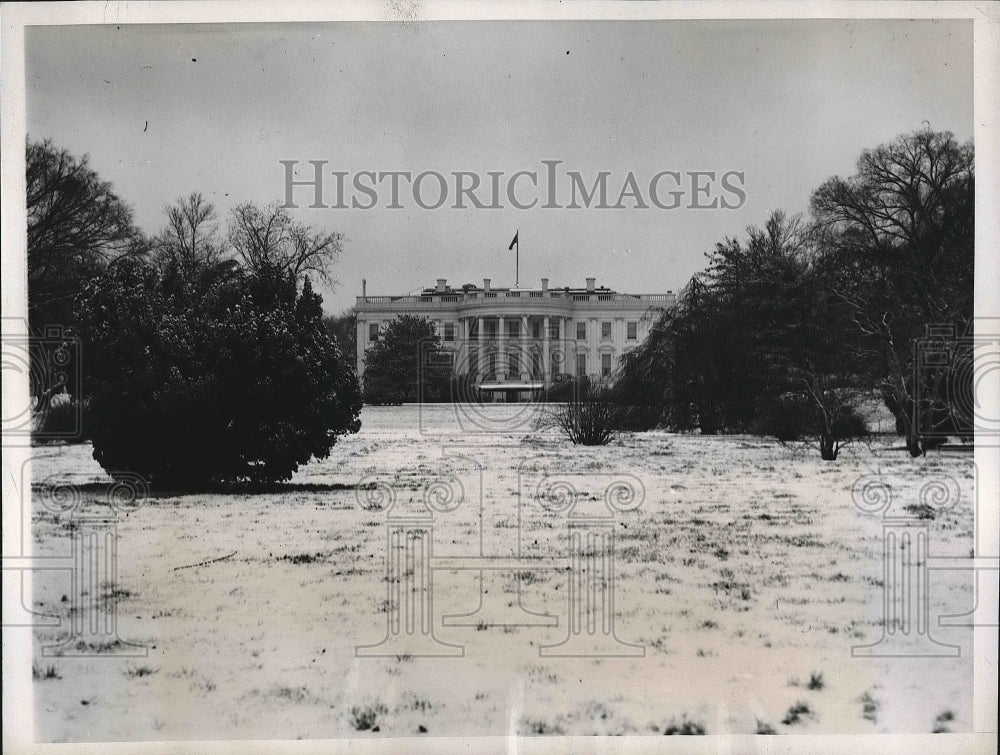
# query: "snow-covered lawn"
{"type": "Point", "coordinates": [746, 574]}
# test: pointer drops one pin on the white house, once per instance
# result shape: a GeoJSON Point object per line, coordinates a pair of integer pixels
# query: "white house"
{"type": "Point", "coordinates": [514, 341]}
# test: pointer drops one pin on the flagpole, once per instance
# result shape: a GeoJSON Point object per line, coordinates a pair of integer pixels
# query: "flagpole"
{"type": "Point", "coordinates": [515, 244]}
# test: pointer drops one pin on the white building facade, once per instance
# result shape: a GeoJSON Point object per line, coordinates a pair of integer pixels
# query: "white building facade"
{"type": "Point", "coordinates": [512, 342]}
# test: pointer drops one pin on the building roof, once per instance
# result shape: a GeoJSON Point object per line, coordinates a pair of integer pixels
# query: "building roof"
{"type": "Point", "coordinates": [469, 287]}
{"type": "Point", "coordinates": [443, 295]}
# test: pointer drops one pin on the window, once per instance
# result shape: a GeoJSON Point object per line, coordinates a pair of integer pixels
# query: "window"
{"type": "Point", "coordinates": [474, 363]}
{"type": "Point", "coordinates": [491, 373]}
{"type": "Point", "coordinates": [491, 329]}
{"type": "Point", "coordinates": [632, 327]}
{"type": "Point", "coordinates": [553, 330]}
{"type": "Point", "coordinates": [513, 328]}
{"type": "Point", "coordinates": [605, 331]}
{"type": "Point", "coordinates": [581, 365]}
{"type": "Point", "coordinates": [581, 331]}
{"type": "Point", "coordinates": [536, 365]}
{"type": "Point", "coordinates": [373, 331]}
{"type": "Point", "coordinates": [449, 331]}
{"type": "Point", "coordinates": [514, 365]}
{"type": "Point", "coordinates": [536, 329]}
{"type": "Point", "coordinates": [605, 364]}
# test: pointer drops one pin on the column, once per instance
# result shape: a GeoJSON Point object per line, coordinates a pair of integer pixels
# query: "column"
{"type": "Point", "coordinates": [906, 620]}
{"type": "Point", "coordinates": [591, 597]}
{"type": "Point", "coordinates": [525, 355]}
{"type": "Point", "coordinates": [617, 340]}
{"type": "Point", "coordinates": [94, 624]}
{"type": "Point", "coordinates": [481, 347]}
{"type": "Point", "coordinates": [546, 358]}
{"type": "Point", "coordinates": [462, 347]}
{"type": "Point", "coordinates": [594, 341]}
{"type": "Point", "coordinates": [501, 354]}
{"type": "Point", "coordinates": [563, 346]}
{"type": "Point", "coordinates": [409, 600]}
{"type": "Point", "coordinates": [361, 343]}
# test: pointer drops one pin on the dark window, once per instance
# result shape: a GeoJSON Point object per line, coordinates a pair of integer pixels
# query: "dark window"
{"type": "Point", "coordinates": [605, 364]}
{"type": "Point", "coordinates": [606, 331]}
{"type": "Point", "coordinates": [449, 331]}
{"type": "Point", "coordinates": [373, 331]}
{"type": "Point", "coordinates": [632, 327]}
{"type": "Point", "coordinates": [514, 364]}
{"type": "Point", "coordinates": [581, 331]}
{"type": "Point", "coordinates": [581, 365]}
{"type": "Point", "coordinates": [513, 328]}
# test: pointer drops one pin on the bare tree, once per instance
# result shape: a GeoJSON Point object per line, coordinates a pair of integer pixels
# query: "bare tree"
{"type": "Point", "coordinates": [897, 244]}
{"type": "Point", "coordinates": [191, 236]}
{"type": "Point", "coordinates": [269, 236]}
{"type": "Point", "coordinates": [76, 226]}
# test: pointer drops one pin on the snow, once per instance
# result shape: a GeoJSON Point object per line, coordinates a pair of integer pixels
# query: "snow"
{"type": "Point", "coordinates": [745, 569]}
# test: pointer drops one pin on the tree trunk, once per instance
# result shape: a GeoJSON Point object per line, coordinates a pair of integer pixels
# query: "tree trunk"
{"type": "Point", "coordinates": [908, 418]}
{"type": "Point", "coordinates": [706, 421]}
{"type": "Point", "coordinates": [828, 447]}
{"type": "Point", "coordinates": [930, 444]}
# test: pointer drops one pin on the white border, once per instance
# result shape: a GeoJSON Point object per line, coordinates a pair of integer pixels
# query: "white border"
{"type": "Point", "coordinates": [17, 687]}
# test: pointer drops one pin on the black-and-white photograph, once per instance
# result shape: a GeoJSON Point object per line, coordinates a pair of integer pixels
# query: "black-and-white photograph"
{"type": "Point", "coordinates": [409, 371]}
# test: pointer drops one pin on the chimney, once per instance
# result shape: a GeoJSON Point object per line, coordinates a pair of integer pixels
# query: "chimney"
{"type": "Point", "coordinates": [486, 284]}
{"type": "Point", "coordinates": [590, 284]}
{"type": "Point", "coordinates": [364, 288]}
{"type": "Point", "coordinates": [545, 284]}
{"type": "Point", "coordinates": [441, 283]}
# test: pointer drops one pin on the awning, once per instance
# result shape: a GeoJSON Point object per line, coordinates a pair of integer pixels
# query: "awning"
{"type": "Point", "coordinates": [511, 386]}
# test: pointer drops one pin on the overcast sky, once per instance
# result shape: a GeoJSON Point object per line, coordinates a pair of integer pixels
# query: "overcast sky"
{"type": "Point", "coordinates": [163, 111]}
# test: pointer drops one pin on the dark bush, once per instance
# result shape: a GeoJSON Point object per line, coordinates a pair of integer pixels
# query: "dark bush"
{"type": "Point", "coordinates": [636, 411]}
{"type": "Point", "coordinates": [589, 417]}
{"type": "Point", "coordinates": [565, 388]}
{"type": "Point", "coordinates": [214, 374]}
{"type": "Point", "coordinates": [407, 364]}
{"type": "Point", "coordinates": [786, 418]}
{"type": "Point", "coordinates": [831, 423]}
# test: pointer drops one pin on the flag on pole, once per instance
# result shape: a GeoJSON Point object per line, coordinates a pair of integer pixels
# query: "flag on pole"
{"type": "Point", "coordinates": [517, 258]}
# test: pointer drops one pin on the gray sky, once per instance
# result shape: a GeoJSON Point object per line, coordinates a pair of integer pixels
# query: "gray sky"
{"type": "Point", "coordinates": [163, 111]}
